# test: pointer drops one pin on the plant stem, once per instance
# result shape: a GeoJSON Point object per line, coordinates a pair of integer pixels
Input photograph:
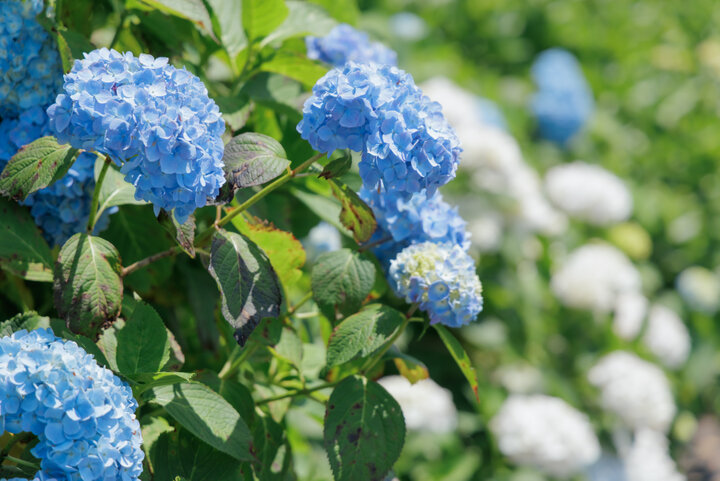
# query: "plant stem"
{"type": "Point", "coordinates": [96, 196]}
{"type": "Point", "coordinates": [149, 260]}
{"type": "Point", "coordinates": [372, 362]}
{"type": "Point", "coordinates": [231, 366]}
{"type": "Point", "coordinates": [297, 392]}
{"type": "Point", "coordinates": [370, 245]}
{"type": "Point", "coordinates": [299, 304]}
{"type": "Point", "coordinates": [21, 462]}
{"type": "Point", "coordinates": [207, 234]}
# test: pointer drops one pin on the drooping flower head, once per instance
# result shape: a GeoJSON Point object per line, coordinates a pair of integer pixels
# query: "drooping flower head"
{"type": "Point", "coordinates": [441, 278]}
{"type": "Point", "coordinates": [82, 414]}
{"type": "Point", "coordinates": [420, 218]}
{"type": "Point", "coordinates": [345, 44]}
{"type": "Point", "coordinates": [406, 143]}
{"type": "Point", "coordinates": [546, 433]}
{"type": "Point", "coordinates": [30, 68]}
{"type": "Point", "coordinates": [564, 102]}
{"type": "Point", "coordinates": [153, 119]}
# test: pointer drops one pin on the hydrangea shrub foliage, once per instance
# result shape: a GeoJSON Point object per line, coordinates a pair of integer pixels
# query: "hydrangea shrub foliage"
{"type": "Point", "coordinates": [165, 320]}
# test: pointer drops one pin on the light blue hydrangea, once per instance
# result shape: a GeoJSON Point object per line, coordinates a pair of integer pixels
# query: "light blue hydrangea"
{"type": "Point", "coordinates": [406, 143]}
{"type": "Point", "coordinates": [441, 278]}
{"type": "Point", "coordinates": [153, 119]}
{"type": "Point", "coordinates": [82, 414]}
{"type": "Point", "coordinates": [30, 68]}
{"type": "Point", "coordinates": [345, 44]}
{"type": "Point", "coordinates": [61, 209]}
{"type": "Point", "coordinates": [490, 113]}
{"type": "Point", "coordinates": [420, 218]}
{"type": "Point", "coordinates": [564, 102]}
{"type": "Point", "coordinates": [322, 238]}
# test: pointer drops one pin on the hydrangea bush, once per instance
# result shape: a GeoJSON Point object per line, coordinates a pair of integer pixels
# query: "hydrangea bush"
{"type": "Point", "coordinates": [245, 244]}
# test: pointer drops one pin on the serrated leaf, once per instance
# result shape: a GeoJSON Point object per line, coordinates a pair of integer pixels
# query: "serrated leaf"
{"type": "Point", "coordinates": [337, 167]}
{"type": "Point", "coordinates": [193, 10]}
{"type": "Point", "coordinates": [303, 19]}
{"type": "Point", "coordinates": [356, 215]}
{"type": "Point", "coordinates": [35, 166]}
{"type": "Point", "coordinates": [260, 17]}
{"type": "Point", "coordinates": [285, 252]}
{"type": "Point", "coordinates": [25, 320]}
{"type": "Point", "coordinates": [229, 14]}
{"type": "Point", "coordinates": [460, 356]}
{"type": "Point", "coordinates": [115, 190]}
{"type": "Point", "coordinates": [87, 284]}
{"type": "Point", "coordinates": [341, 280]}
{"type": "Point", "coordinates": [143, 344]}
{"type": "Point", "coordinates": [410, 368]}
{"type": "Point", "coordinates": [248, 284]}
{"type": "Point", "coordinates": [206, 415]}
{"type": "Point", "coordinates": [364, 430]}
{"type": "Point", "coordinates": [253, 159]}
{"type": "Point", "coordinates": [361, 334]}
{"type": "Point", "coordinates": [295, 66]}
{"type": "Point", "coordinates": [23, 251]}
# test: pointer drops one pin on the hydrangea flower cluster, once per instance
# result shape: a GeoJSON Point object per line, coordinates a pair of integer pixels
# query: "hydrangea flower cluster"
{"type": "Point", "coordinates": [153, 119]}
{"type": "Point", "coordinates": [420, 218]}
{"type": "Point", "coordinates": [441, 278]}
{"type": "Point", "coordinates": [63, 208]}
{"type": "Point", "coordinates": [546, 433]}
{"type": "Point", "coordinates": [406, 143]}
{"type": "Point", "coordinates": [649, 458]}
{"type": "Point", "coordinates": [345, 44]}
{"type": "Point", "coordinates": [30, 68]}
{"type": "Point", "coordinates": [18, 131]}
{"type": "Point", "coordinates": [426, 406]}
{"type": "Point", "coordinates": [82, 414]}
{"type": "Point", "coordinates": [564, 101]}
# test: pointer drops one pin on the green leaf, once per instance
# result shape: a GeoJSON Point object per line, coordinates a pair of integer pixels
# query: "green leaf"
{"type": "Point", "coordinates": [143, 344]}
{"type": "Point", "coordinates": [461, 358]}
{"type": "Point", "coordinates": [253, 159]}
{"type": "Point", "coordinates": [268, 437]}
{"type": "Point", "coordinates": [410, 368]}
{"type": "Point", "coordinates": [361, 334]}
{"type": "Point", "coordinates": [71, 46]}
{"type": "Point", "coordinates": [285, 252]}
{"type": "Point", "coordinates": [229, 14]}
{"type": "Point", "coordinates": [193, 10]}
{"type": "Point", "coordinates": [35, 166]}
{"type": "Point", "coordinates": [364, 430]}
{"type": "Point", "coordinates": [337, 167]}
{"type": "Point", "coordinates": [355, 213]}
{"type": "Point", "coordinates": [345, 11]}
{"type": "Point", "coordinates": [260, 17]}
{"type": "Point", "coordinates": [23, 251]}
{"type": "Point", "coordinates": [185, 234]}
{"type": "Point", "coordinates": [248, 284]}
{"type": "Point", "coordinates": [233, 392]}
{"type": "Point", "coordinates": [26, 320]}
{"type": "Point", "coordinates": [235, 110]}
{"type": "Point", "coordinates": [303, 19]}
{"type": "Point", "coordinates": [275, 91]}
{"type": "Point", "coordinates": [149, 380]}
{"type": "Point", "coordinates": [341, 281]}
{"type": "Point", "coordinates": [88, 288]}
{"type": "Point", "coordinates": [207, 415]}
{"type": "Point", "coordinates": [295, 66]}
{"type": "Point", "coordinates": [115, 190]}
{"type": "Point", "coordinates": [66, 56]}
{"type": "Point", "coordinates": [328, 209]}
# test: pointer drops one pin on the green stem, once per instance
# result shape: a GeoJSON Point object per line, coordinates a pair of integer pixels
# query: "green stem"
{"type": "Point", "coordinates": [96, 195]}
{"type": "Point", "coordinates": [149, 260]}
{"type": "Point", "coordinates": [21, 462]}
{"type": "Point", "coordinates": [297, 392]}
{"type": "Point", "coordinates": [299, 304]}
{"type": "Point", "coordinates": [372, 362]}
{"type": "Point", "coordinates": [280, 181]}
{"type": "Point", "coordinates": [232, 365]}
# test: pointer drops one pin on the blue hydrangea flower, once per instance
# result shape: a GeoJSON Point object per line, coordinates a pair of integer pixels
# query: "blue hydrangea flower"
{"type": "Point", "coordinates": [61, 209]}
{"type": "Point", "coordinates": [406, 143]}
{"type": "Point", "coordinates": [30, 68]}
{"type": "Point", "coordinates": [441, 278]}
{"type": "Point", "coordinates": [153, 119]}
{"type": "Point", "coordinates": [82, 414]}
{"type": "Point", "coordinates": [345, 44]}
{"type": "Point", "coordinates": [564, 102]}
{"type": "Point", "coordinates": [420, 218]}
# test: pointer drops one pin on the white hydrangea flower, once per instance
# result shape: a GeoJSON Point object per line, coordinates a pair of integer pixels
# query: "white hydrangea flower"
{"type": "Point", "coordinates": [700, 288]}
{"type": "Point", "coordinates": [649, 459]}
{"type": "Point", "coordinates": [426, 406]}
{"type": "Point", "coordinates": [630, 310]}
{"type": "Point", "coordinates": [486, 231]}
{"type": "Point", "coordinates": [637, 391]}
{"type": "Point", "coordinates": [667, 336]}
{"type": "Point", "coordinates": [589, 192]}
{"type": "Point", "coordinates": [546, 433]}
{"type": "Point", "coordinates": [593, 276]}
